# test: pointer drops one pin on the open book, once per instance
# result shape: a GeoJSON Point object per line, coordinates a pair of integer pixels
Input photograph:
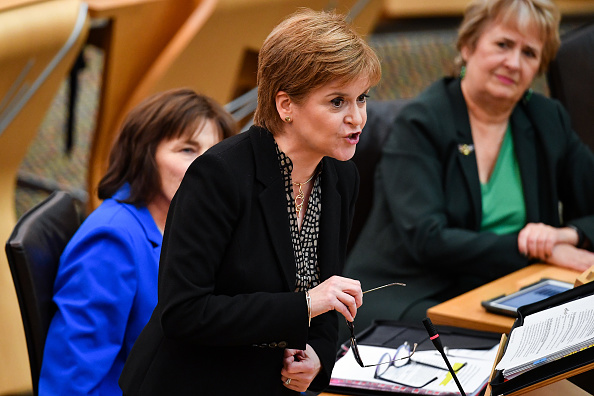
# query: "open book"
{"type": "Point", "coordinates": [549, 335]}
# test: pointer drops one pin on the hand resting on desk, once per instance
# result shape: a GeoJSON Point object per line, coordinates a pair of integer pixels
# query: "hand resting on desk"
{"type": "Point", "coordinates": [568, 256]}
{"type": "Point", "coordinates": [537, 240]}
{"type": "Point", "coordinates": [556, 246]}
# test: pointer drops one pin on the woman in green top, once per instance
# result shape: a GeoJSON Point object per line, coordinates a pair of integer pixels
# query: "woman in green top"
{"type": "Point", "coordinates": [473, 178]}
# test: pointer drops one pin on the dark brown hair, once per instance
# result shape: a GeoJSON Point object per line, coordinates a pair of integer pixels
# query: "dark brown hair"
{"type": "Point", "coordinates": [163, 116]}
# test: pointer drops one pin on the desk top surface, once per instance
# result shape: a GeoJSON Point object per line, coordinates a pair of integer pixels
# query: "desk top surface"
{"type": "Point", "coordinates": [466, 310]}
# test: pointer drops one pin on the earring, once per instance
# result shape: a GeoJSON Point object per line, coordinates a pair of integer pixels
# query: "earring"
{"type": "Point", "coordinates": [462, 72]}
{"type": "Point", "coordinates": [288, 119]}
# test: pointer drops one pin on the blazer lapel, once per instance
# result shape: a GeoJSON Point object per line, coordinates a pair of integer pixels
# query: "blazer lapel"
{"type": "Point", "coordinates": [464, 149]}
{"type": "Point", "coordinates": [328, 239]}
{"type": "Point", "coordinates": [523, 135]}
{"type": "Point", "coordinates": [273, 205]}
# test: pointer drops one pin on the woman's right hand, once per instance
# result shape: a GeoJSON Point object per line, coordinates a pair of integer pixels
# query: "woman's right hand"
{"type": "Point", "coordinates": [568, 256]}
{"type": "Point", "coordinates": [337, 293]}
{"type": "Point", "coordinates": [537, 240]}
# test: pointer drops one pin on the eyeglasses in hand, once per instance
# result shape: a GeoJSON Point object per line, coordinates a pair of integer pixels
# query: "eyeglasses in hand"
{"type": "Point", "coordinates": [354, 346]}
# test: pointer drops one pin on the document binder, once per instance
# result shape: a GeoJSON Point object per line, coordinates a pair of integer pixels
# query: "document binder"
{"type": "Point", "coordinates": [391, 334]}
{"type": "Point", "coordinates": [543, 375]}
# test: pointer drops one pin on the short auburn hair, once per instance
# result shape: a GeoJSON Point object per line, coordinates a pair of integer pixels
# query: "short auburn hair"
{"type": "Point", "coordinates": [304, 52]}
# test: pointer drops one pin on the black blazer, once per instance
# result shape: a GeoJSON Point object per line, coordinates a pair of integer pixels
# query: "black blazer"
{"type": "Point", "coordinates": [227, 306]}
{"type": "Point", "coordinates": [423, 228]}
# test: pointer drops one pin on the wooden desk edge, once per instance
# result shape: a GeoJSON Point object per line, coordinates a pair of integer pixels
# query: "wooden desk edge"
{"type": "Point", "coordinates": [446, 313]}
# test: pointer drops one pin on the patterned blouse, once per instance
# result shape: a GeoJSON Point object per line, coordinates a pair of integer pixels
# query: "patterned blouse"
{"type": "Point", "coordinates": [305, 242]}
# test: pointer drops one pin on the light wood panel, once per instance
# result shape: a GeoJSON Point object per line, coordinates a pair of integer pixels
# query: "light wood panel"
{"type": "Point", "coordinates": [5, 5]}
{"type": "Point", "coordinates": [137, 31]}
{"type": "Point", "coordinates": [39, 41]}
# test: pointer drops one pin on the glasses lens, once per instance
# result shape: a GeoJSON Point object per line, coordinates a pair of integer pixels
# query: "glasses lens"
{"type": "Point", "coordinates": [402, 356]}
{"type": "Point", "coordinates": [383, 365]}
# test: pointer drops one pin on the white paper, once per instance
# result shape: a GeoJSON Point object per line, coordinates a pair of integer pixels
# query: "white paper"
{"type": "Point", "coordinates": [472, 376]}
{"type": "Point", "coordinates": [550, 334]}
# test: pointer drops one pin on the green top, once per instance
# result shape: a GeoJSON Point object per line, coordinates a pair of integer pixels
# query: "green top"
{"type": "Point", "coordinates": [504, 211]}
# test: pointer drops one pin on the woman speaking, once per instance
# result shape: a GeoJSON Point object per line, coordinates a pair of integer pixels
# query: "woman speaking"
{"type": "Point", "coordinates": [257, 233]}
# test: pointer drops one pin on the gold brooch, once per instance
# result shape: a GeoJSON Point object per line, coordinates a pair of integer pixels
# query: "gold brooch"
{"type": "Point", "coordinates": [466, 149]}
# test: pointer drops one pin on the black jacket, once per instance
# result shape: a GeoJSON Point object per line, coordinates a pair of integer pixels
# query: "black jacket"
{"type": "Point", "coordinates": [227, 306]}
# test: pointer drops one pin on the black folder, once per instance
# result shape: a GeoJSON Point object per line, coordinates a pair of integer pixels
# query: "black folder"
{"type": "Point", "coordinates": [392, 334]}
{"type": "Point", "coordinates": [553, 371]}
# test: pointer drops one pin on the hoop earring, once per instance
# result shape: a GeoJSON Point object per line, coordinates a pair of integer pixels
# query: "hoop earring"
{"type": "Point", "coordinates": [462, 72]}
{"type": "Point", "coordinates": [288, 119]}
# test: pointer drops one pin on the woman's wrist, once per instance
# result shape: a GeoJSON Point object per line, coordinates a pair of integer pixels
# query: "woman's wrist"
{"type": "Point", "coordinates": [579, 238]}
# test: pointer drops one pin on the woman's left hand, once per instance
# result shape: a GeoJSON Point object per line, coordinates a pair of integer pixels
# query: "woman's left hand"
{"type": "Point", "coordinates": [537, 240]}
{"type": "Point", "coordinates": [566, 255]}
{"type": "Point", "coordinates": [301, 367]}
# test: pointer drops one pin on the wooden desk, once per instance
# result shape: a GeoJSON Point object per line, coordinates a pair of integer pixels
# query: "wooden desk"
{"type": "Point", "coordinates": [466, 310]}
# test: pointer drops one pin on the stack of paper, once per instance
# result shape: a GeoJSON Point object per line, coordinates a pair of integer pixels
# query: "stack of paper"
{"type": "Point", "coordinates": [549, 335]}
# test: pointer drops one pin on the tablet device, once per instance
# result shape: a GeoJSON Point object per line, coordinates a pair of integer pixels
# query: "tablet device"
{"type": "Point", "coordinates": [508, 304]}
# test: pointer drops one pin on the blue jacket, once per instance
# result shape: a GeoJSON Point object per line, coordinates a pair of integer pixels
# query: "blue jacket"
{"type": "Point", "coordinates": [105, 291]}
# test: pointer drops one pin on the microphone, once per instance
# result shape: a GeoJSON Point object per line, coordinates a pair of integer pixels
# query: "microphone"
{"type": "Point", "coordinates": [434, 337]}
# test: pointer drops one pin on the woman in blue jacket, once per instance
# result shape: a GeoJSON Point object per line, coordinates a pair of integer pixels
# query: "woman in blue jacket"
{"type": "Point", "coordinates": [106, 286]}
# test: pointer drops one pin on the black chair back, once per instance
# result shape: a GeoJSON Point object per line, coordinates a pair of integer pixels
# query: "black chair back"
{"type": "Point", "coordinates": [33, 252]}
{"type": "Point", "coordinates": [380, 120]}
{"type": "Point", "coordinates": [571, 79]}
